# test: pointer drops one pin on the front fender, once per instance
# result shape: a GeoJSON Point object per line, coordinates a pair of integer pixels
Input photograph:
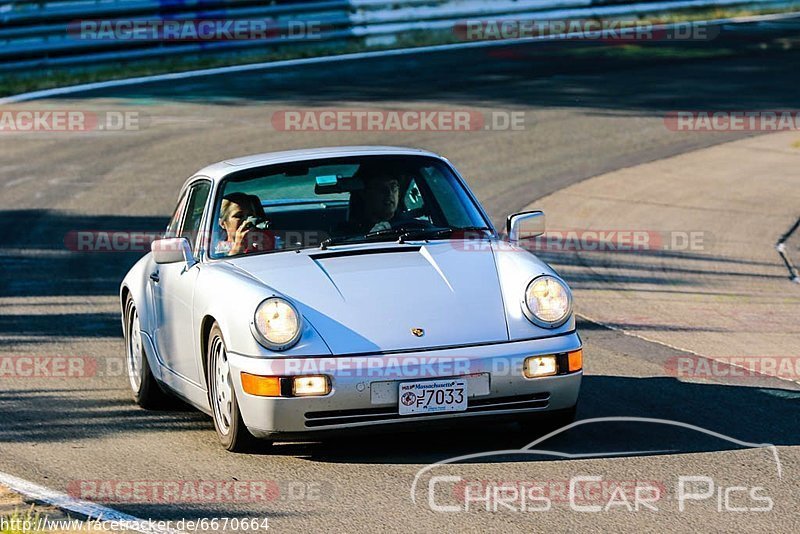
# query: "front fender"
{"type": "Point", "coordinates": [231, 296]}
{"type": "Point", "coordinates": [516, 267]}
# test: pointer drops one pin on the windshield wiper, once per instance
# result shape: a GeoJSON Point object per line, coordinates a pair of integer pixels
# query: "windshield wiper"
{"type": "Point", "coordinates": [385, 232]}
{"type": "Point", "coordinates": [371, 236]}
{"type": "Point", "coordinates": [402, 233]}
{"type": "Point", "coordinates": [433, 233]}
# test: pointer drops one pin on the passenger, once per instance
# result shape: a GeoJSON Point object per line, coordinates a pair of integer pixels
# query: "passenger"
{"type": "Point", "coordinates": [244, 224]}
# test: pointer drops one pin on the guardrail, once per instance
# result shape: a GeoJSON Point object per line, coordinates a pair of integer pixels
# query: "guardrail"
{"type": "Point", "coordinates": [51, 33]}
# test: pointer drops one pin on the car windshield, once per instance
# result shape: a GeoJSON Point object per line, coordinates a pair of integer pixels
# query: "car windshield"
{"type": "Point", "coordinates": [322, 203]}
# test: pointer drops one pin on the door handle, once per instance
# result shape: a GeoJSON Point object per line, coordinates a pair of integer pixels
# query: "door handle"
{"type": "Point", "coordinates": [154, 276]}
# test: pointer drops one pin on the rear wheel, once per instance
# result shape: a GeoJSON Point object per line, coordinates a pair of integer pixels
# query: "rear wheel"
{"type": "Point", "coordinates": [231, 430]}
{"type": "Point", "coordinates": [146, 391]}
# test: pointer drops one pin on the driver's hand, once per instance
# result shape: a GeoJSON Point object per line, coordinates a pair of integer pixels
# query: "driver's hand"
{"type": "Point", "coordinates": [240, 239]}
{"type": "Point", "coordinates": [383, 225]}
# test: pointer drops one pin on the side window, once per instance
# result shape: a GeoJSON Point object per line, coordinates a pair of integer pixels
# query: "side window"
{"type": "Point", "coordinates": [413, 198]}
{"type": "Point", "coordinates": [198, 195]}
{"type": "Point", "coordinates": [175, 222]}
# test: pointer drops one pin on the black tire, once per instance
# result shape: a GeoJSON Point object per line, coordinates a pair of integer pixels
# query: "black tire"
{"type": "Point", "coordinates": [228, 423]}
{"type": "Point", "coordinates": [146, 390]}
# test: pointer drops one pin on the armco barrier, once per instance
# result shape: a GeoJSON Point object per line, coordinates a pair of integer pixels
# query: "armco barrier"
{"type": "Point", "coordinates": [41, 33]}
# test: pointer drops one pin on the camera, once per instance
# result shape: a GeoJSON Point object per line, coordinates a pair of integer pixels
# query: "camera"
{"type": "Point", "coordinates": [257, 222]}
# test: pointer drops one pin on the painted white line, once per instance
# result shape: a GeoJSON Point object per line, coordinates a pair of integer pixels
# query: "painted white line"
{"type": "Point", "coordinates": [84, 508]}
{"type": "Point", "coordinates": [272, 65]}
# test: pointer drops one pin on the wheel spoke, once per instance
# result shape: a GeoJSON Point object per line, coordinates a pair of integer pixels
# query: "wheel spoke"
{"type": "Point", "coordinates": [223, 388]}
{"type": "Point", "coordinates": [134, 350]}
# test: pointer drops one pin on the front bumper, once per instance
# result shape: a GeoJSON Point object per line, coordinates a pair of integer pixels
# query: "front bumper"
{"type": "Point", "coordinates": [365, 388]}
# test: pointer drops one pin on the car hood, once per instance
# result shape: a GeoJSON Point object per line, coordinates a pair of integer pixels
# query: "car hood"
{"type": "Point", "coordinates": [368, 298]}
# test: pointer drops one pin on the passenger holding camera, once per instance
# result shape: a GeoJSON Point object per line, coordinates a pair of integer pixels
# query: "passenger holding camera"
{"type": "Point", "coordinates": [244, 224]}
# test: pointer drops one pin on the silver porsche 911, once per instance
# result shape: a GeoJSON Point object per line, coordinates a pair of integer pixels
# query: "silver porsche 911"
{"type": "Point", "coordinates": [298, 293]}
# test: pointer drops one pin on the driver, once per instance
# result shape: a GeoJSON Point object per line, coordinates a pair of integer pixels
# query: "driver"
{"type": "Point", "coordinates": [372, 208]}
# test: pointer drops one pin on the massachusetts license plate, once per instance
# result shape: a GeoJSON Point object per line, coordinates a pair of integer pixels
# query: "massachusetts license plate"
{"type": "Point", "coordinates": [433, 396]}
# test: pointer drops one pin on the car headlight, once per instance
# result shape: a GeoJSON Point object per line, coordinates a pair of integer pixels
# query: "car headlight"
{"type": "Point", "coordinates": [547, 302]}
{"type": "Point", "coordinates": [277, 324]}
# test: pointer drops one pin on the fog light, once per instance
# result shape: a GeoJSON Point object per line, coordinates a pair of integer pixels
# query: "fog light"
{"type": "Point", "coordinates": [575, 360]}
{"type": "Point", "coordinates": [261, 386]}
{"type": "Point", "coordinates": [537, 366]}
{"type": "Point", "coordinates": [307, 386]}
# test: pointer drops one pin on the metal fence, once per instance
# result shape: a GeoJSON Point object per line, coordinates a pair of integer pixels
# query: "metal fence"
{"type": "Point", "coordinates": [50, 33]}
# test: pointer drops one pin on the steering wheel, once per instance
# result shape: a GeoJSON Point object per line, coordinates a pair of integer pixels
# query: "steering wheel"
{"type": "Point", "coordinates": [412, 224]}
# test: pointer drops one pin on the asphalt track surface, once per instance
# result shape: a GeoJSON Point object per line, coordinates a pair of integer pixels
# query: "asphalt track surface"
{"type": "Point", "coordinates": [587, 112]}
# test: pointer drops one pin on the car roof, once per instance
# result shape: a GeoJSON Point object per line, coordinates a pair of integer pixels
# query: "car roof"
{"type": "Point", "coordinates": [220, 170]}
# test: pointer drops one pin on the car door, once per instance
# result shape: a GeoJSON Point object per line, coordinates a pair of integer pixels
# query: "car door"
{"type": "Point", "coordinates": [173, 292]}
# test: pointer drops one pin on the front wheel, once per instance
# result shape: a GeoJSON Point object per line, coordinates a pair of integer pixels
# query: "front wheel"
{"type": "Point", "coordinates": [230, 427]}
{"type": "Point", "coordinates": [146, 391]}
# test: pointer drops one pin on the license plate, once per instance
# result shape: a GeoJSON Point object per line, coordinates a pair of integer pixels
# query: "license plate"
{"type": "Point", "coordinates": [433, 396]}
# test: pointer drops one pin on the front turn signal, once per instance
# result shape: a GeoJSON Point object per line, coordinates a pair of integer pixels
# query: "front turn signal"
{"type": "Point", "coordinates": [575, 360]}
{"type": "Point", "coordinates": [261, 386]}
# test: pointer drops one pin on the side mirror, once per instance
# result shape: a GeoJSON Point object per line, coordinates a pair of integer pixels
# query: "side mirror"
{"type": "Point", "coordinates": [172, 250]}
{"type": "Point", "coordinates": [526, 225]}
